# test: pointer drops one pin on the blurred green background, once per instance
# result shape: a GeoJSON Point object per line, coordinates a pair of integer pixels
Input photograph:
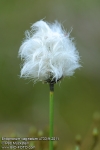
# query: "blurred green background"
{"type": "Point", "coordinates": [77, 98]}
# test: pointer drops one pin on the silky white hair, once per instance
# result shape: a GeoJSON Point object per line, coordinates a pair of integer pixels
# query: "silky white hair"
{"type": "Point", "coordinates": [48, 52]}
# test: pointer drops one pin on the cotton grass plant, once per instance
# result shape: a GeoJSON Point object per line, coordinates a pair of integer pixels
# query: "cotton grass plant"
{"type": "Point", "coordinates": [48, 54]}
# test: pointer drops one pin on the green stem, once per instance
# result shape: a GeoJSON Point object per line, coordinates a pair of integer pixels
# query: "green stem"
{"type": "Point", "coordinates": [94, 144]}
{"type": "Point", "coordinates": [51, 111]}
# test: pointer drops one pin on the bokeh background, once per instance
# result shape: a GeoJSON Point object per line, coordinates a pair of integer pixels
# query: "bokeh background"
{"type": "Point", "coordinates": [23, 103]}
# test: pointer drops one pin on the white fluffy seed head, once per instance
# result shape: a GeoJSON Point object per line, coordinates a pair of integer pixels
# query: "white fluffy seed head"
{"type": "Point", "coordinates": [48, 52]}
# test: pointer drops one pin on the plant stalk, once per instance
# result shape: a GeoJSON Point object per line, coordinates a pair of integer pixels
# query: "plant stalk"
{"type": "Point", "coordinates": [51, 116]}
